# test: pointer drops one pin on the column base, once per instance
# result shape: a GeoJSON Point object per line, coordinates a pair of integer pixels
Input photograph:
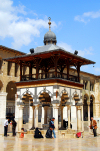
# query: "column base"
{"type": "Point", "coordinates": [69, 131]}
{"type": "Point", "coordinates": [2, 125]}
{"type": "Point", "coordinates": [42, 122]}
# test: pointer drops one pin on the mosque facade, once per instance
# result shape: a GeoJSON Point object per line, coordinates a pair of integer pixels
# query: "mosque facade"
{"type": "Point", "coordinates": [43, 84]}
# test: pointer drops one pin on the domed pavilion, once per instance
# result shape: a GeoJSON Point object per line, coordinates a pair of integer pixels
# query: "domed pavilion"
{"type": "Point", "coordinates": [49, 88]}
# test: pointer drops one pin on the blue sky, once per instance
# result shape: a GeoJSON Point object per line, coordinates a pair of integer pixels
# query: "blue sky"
{"type": "Point", "coordinates": [76, 24]}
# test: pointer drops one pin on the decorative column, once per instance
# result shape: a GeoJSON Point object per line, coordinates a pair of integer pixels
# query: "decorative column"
{"type": "Point", "coordinates": [33, 107]}
{"type": "Point", "coordinates": [30, 117]}
{"type": "Point", "coordinates": [45, 114]}
{"type": "Point", "coordinates": [82, 118]}
{"type": "Point", "coordinates": [78, 118]}
{"type": "Point", "coordinates": [56, 106]}
{"type": "Point", "coordinates": [42, 117]}
{"type": "Point", "coordinates": [20, 119]}
{"type": "Point", "coordinates": [65, 113]}
{"type": "Point", "coordinates": [36, 116]}
{"type": "Point", "coordinates": [62, 116]}
{"type": "Point", "coordinates": [68, 107]}
{"type": "Point", "coordinates": [2, 111]}
{"type": "Point", "coordinates": [88, 103]}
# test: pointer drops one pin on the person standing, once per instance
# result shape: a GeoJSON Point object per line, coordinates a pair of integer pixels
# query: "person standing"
{"type": "Point", "coordinates": [6, 127]}
{"type": "Point", "coordinates": [14, 124]}
{"type": "Point", "coordinates": [93, 126]}
{"type": "Point", "coordinates": [52, 127]}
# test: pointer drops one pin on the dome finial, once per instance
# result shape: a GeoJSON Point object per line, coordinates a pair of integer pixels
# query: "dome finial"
{"type": "Point", "coordinates": [49, 23]}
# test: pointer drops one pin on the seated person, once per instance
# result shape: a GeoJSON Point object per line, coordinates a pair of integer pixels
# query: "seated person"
{"type": "Point", "coordinates": [37, 133]}
{"type": "Point", "coordinates": [49, 133]}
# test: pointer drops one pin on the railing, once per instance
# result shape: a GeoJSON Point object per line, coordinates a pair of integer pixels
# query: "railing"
{"type": "Point", "coordinates": [49, 75]}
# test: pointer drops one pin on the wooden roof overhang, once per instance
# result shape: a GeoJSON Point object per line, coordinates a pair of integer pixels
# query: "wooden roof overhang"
{"type": "Point", "coordinates": [47, 57]}
{"type": "Point", "coordinates": [50, 82]}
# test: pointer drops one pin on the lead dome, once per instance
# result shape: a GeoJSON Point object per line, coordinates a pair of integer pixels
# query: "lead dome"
{"type": "Point", "coordinates": [50, 37]}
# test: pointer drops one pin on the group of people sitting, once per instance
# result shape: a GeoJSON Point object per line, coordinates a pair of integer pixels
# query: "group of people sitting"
{"type": "Point", "coordinates": [38, 134]}
{"type": "Point", "coordinates": [49, 131]}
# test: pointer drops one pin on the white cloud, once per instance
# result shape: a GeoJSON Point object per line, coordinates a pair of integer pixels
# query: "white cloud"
{"type": "Point", "coordinates": [21, 28]}
{"type": "Point", "coordinates": [82, 53]}
{"type": "Point", "coordinates": [97, 70]}
{"type": "Point", "coordinates": [87, 16]}
{"type": "Point", "coordinates": [66, 46]}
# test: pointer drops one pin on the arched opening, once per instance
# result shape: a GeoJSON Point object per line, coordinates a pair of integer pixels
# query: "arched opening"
{"type": "Point", "coordinates": [1, 85]}
{"type": "Point", "coordinates": [62, 112]}
{"type": "Point", "coordinates": [91, 106]}
{"type": "Point", "coordinates": [64, 98]}
{"type": "Point", "coordinates": [27, 99]}
{"type": "Point", "coordinates": [85, 108]}
{"type": "Point", "coordinates": [45, 101]}
{"type": "Point", "coordinates": [10, 105]}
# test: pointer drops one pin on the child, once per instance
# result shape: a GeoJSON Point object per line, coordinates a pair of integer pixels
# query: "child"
{"type": "Point", "coordinates": [22, 133]}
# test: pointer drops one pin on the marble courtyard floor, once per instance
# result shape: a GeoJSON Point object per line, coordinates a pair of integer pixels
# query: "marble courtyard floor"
{"type": "Point", "coordinates": [88, 143]}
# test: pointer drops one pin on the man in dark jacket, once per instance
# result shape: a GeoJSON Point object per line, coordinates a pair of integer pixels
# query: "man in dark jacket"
{"type": "Point", "coordinates": [14, 124]}
{"type": "Point", "coordinates": [51, 125]}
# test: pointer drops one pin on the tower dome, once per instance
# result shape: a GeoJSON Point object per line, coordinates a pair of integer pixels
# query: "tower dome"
{"type": "Point", "coordinates": [50, 37]}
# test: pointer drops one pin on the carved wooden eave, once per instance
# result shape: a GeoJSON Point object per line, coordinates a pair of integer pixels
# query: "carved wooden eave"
{"type": "Point", "coordinates": [73, 59]}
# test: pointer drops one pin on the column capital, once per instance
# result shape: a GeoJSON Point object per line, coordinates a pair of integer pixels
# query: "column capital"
{"type": "Point", "coordinates": [36, 106]}
{"type": "Point", "coordinates": [56, 106]}
{"type": "Point", "coordinates": [88, 103]}
{"type": "Point", "coordinates": [33, 107]}
{"type": "Point", "coordinates": [61, 107]}
{"type": "Point", "coordinates": [20, 107]}
{"type": "Point", "coordinates": [45, 107]}
{"type": "Point", "coordinates": [79, 107]}
{"type": "Point", "coordinates": [68, 106]}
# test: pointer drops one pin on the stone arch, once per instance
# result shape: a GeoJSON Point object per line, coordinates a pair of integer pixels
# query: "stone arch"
{"type": "Point", "coordinates": [74, 95]}
{"type": "Point", "coordinates": [27, 99]}
{"type": "Point", "coordinates": [86, 98]}
{"type": "Point", "coordinates": [1, 85]}
{"type": "Point", "coordinates": [45, 102]}
{"type": "Point", "coordinates": [63, 91]}
{"type": "Point", "coordinates": [46, 91]}
{"type": "Point", "coordinates": [92, 97]}
{"type": "Point", "coordinates": [11, 91]}
{"type": "Point", "coordinates": [64, 97]}
{"type": "Point", "coordinates": [27, 95]}
{"type": "Point", "coordinates": [10, 105]}
{"type": "Point", "coordinates": [85, 107]}
{"type": "Point", "coordinates": [92, 100]}
{"type": "Point", "coordinates": [45, 99]}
